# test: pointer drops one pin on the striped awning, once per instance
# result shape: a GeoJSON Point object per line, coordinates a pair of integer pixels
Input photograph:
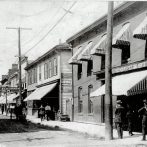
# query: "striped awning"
{"type": "Point", "coordinates": [85, 54]}
{"type": "Point", "coordinates": [139, 88]}
{"type": "Point", "coordinates": [141, 31]}
{"type": "Point", "coordinates": [126, 84]}
{"type": "Point", "coordinates": [122, 37]}
{"type": "Point", "coordinates": [73, 59]}
{"type": "Point", "coordinates": [99, 48]}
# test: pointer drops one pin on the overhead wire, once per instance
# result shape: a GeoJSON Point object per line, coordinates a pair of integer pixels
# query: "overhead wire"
{"type": "Point", "coordinates": [51, 28]}
{"type": "Point", "coordinates": [36, 35]}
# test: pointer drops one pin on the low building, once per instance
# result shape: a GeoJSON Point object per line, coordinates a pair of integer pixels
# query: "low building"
{"type": "Point", "coordinates": [49, 81]}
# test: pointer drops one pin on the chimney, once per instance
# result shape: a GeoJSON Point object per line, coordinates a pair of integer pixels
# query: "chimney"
{"type": "Point", "coordinates": [15, 66]}
{"type": "Point", "coordinates": [4, 77]}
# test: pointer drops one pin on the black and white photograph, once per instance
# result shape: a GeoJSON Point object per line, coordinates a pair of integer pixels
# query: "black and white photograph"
{"type": "Point", "coordinates": [73, 73]}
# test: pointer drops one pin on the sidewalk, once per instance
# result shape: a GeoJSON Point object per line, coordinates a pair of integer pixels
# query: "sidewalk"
{"type": "Point", "coordinates": [95, 131]}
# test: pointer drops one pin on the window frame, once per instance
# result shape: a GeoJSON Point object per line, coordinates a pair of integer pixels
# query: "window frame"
{"type": "Point", "coordinates": [90, 103]}
{"type": "Point", "coordinates": [80, 100]}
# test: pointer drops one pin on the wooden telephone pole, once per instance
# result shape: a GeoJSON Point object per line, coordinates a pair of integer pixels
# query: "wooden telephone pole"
{"type": "Point", "coordinates": [19, 56]}
{"type": "Point", "coordinates": [108, 76]}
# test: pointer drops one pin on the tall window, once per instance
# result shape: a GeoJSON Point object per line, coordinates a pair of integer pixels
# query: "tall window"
{"type": "Point", "coordinates": [102, 62]}
{"type": "Point", "coordinates": [80, 101]}
{"type": "Point", "coordinates": [55, 66]}
{"type": "Point", "coordinates": [90, 103]}
{"type": "Point", "coordinates": [29, 78]}
{"type": "Point", "coordinates": [50, 69]}
{"type": "Point", "coordinates": [89, 67]}
{"type": "Point", "coordinates": [125, 47]}
{"type": "Point", "coordinates": [79, 73]}
{"type": "Point", "coordinates": [125, 54]}
{"type": "Point", "coordinates": [145, 49]}
{"type": "Point", "coordinates": [39, 72]}
{"type": "Point", "coordinates": [45, 71]}
{"type": "Point", "coordinates": [35, 75]}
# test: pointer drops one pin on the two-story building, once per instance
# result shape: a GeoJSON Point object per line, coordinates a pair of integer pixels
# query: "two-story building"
{"type": "Point", "coordinates": [49, 81]}
{"type": "Point", "coordinates": [129, 64]}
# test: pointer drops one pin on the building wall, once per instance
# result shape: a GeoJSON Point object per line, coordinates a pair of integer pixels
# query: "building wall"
{"type": "Point", "coordinates": [137, 53]}
{"type": "Point", "coordinates": [66, 83]}
{"type": "Point", "coordinates": [63, 76]}
{"type": "Point", "coordinates": [53, 77]}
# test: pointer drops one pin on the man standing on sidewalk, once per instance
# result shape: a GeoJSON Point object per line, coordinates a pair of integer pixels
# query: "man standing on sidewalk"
{"type": "Point", "coordinates": [143, 112]}
{"type": "Point", "coordinates": [48, 111]}
{"type": "Point", "coordinates": [119, 118]}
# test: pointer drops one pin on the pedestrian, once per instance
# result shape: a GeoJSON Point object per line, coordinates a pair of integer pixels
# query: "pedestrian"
{"type": "Point", "coordinates": [24, 112]}
{"type": "Point", "coordinates": [48, 111]}
{"type": "Point", "coordinates": [16, 111]}
{"type": "Point", "coordinates": [130, 118]}
{"type": "Point", "coordinates": [2, 108]}
{"type": "Point", "coordinates": [119, 118]}
{"type": "Point", "coordinates": [41, 112]}
{"type": "Point", "coordinates": [143, 112]}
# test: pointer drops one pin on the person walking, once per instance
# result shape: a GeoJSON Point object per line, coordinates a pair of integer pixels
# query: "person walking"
{"type": "Point", "coordinates": [119, 118]}
{"type": "Point", "coordinates": [130, 117]}
{"type": "Point", "coordinates": [2, 108]}
{"type": "Point", "coordinates": [41, 112]}
{"type": "Point", "coordinates": [47, 111]}
{"type": "Point", "coordinates": [143, 112]}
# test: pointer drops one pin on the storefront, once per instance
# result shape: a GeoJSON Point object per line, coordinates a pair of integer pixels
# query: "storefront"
{"type": "Point", "coordinates": [48, 94]}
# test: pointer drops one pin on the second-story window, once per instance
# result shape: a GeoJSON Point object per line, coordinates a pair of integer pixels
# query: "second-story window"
{"type": "Point", "coordinates": [80, 101]}
{"type": "Point", "coordinates": [39, 72]}
{"type": "Point", "coordinates": [50, 69]}
{"type": "Point", "coordinates": [125, 54]}
{"type": "Point", "coordinates": [79, 72]}
{"type": "Point", "coordinates": [35, 75]}
{"type": "Point", "coordinates": [55, 66]}
{"type": "Point", "coordinates": [28, 77]}
{"type": "Point", "coordinates": [45, 71]}
{"type": "Point", "coordinates": [90, 103]}
{"type": "Point", "coordinates": [103, 62]}
{"type": "Point", "coordinates": [89, 67]}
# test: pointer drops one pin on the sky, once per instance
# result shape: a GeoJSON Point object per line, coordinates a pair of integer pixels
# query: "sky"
{"type": "Point", "coordinates": [47, 23]}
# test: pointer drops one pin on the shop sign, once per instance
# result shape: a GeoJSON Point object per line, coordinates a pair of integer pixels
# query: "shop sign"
{"type": "Point", "coordinates": [130, 67]}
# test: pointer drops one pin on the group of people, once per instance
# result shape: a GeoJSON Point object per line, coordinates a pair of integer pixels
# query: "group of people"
{"type": "Point", "coordinates": [121, 114]}
{"type": "Point", "coordinates": [46, 112]}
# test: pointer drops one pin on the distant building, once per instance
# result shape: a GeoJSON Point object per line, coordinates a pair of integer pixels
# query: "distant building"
{"type": "Point", "coordinates": [49, 81]}
{"type": "Point", "coordinates": [129, 64]}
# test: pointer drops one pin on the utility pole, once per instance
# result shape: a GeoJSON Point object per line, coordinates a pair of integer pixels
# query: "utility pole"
{"type": "Point", "coordinates": [108, 76]}
{"type": "Point", "coordinates": [19, 57]}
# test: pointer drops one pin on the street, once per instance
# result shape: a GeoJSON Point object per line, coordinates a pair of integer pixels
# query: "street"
{"type": "Point", "coordinates": [41, 136]}
{"type": "Point", "coordinates": [14, 133]}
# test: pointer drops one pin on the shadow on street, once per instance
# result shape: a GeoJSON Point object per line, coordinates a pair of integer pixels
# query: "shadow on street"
{"type": "Point", "coordinates": [13, 126]}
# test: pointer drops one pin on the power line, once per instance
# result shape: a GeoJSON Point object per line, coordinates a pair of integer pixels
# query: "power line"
{"type": "Point", "coordinates": [51, 28]}
{"type": "Point", "coordinates": [41, 29]}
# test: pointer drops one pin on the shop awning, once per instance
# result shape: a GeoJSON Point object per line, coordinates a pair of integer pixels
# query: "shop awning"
{"type": "Point", "coordinates": [2, 100]}
{"type": "Point", "coordinates": [141, 31]}
{"type": "Point", "coordinates": [11, 98]}
{"type": "Point", "coordinates": [85, 54]}
{"type": "Point", "coordinates": [125, 84]}
{"type": "Point", "coordinates": [122, 37]}
{"type": "Point", "coordinates": [40, 92]}
{"type": "Point", "coordinates": [99, 48]}
{"type": "Point", "coordinates": [73, 59]}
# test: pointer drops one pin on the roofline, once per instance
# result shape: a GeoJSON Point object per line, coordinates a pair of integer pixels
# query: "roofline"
{"type": "Point", "coordinates": [100, 21]}
{"type": "Point", "coordinates": [63, 46]}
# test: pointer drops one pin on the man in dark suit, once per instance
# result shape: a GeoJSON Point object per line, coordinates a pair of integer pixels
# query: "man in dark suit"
{"type": "Point", "coordinates": [143, 112]}
{"type": "Point", "coordinates": [119, 118]}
